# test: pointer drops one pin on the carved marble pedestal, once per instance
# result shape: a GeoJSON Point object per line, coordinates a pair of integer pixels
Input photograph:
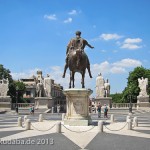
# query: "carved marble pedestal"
{"type": "Point", "coordinates": [143, 101]}
{"type": "Point", "coordinates": [104, 100]}
{"type": "Point", "coordinates": [77, 107]}
{"type": "Point", "coordinates": [5, 102]}
{"type": "Point", "coordinates": [43, 102]}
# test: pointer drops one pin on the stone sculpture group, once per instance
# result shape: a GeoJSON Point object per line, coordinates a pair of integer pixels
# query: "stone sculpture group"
{"type": "Point", "coordinates": [143, 84]}
{"type": "Point", "coordinates": [102, 87]}
{"type": "Point", "coordinates": [4, 87]}
{"type": "Point", "coordinates": [43, 88]}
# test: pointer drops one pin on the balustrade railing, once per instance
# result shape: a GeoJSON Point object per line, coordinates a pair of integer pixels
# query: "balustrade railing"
{"type": "Point", "coordinates": [123, 105]}
{"type": "Point", "coordinates": [22, 105]}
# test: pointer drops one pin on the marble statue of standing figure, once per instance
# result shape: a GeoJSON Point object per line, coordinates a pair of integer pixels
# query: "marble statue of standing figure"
{"type": "Point", "coordinates": [100, 89]}
{"type": "Point", "coordinates": [107, 88]}
{"type": "Point", "coordinates": [39, 88]}
{"type": "Point", "coordinates": [143, 83]}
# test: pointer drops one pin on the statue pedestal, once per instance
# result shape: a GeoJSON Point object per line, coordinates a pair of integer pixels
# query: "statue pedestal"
{"type": "Point", "coordinates": [43, 102]}
{"type": "Point", "coordinates": [5, 102]}
{"type": "Point", "coordinates": [77, 107]}
{"type": "Point", "coordinates": [104, 100]}
{"type": "Point", "coordinates": [143, 101]}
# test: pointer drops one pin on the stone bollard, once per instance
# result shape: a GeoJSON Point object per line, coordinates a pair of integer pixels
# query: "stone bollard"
{"type": "Point", "coordinates": [19, 122]}
{"type": "Point", "coordinates": [135, 122]}
{"type": "Point", "coordinates": [58, 127]}
{"type": "Point", "coordinates": [129, 121]}
{"type": "Point", "coordinates": [28, 124]}
{"type": "Point", "coordinates": [25, 118]}
{"type": "Point", "coordinates": [40, 118]}
{"type": "Point", "coordinates": [128, 117]}
{"type": "Point", "coordinates": [112, 118]}
{"type": "Point", "coordinates": [63, 116]}
{"type": "Point", "coordinates": [100, 126]}
{"type": "Point", "coordinates": [52, 110]}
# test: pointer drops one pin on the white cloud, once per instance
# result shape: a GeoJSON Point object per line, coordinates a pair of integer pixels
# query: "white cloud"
{"type": "Point", "coordinates": [110, 36]}
{"type": "Point", "coordinates": [127, 63]}
{"type": "Point", "coordinates": [72, 12]}
{"type": "Point", "coordinates": [50, 17]}
{"type": "Point", "coordinates": [117, 70]}
{"type": "Point", "coordinates": [118, 67]}
{"type": "Point", "coordinates": [131, 44]}
{"type": "Point", "coordinates": [25, 74]}
{"type": "Point", "coordinates": [129, 40]}
{"type": "Point", "coordinates": [69, 20]}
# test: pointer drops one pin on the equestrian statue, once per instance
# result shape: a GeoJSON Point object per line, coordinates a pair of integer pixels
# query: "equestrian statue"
{"type": "Point", "coordinates": [76, 59]}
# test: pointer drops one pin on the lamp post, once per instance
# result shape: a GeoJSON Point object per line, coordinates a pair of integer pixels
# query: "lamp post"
{"type": "Point", "coordinates": [130, 105]}
{"type": "Point", "coordinates": [17, 90]}
{"type": "Point", "coordinates": [130, 99]}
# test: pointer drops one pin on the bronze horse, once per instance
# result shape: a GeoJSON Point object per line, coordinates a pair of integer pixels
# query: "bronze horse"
{"type": "Point", "coordinates": [78, 62]}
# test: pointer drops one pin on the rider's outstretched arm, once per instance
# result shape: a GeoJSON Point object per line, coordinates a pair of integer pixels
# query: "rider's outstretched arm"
{"type": "Point", "coordinates": [89, 45]}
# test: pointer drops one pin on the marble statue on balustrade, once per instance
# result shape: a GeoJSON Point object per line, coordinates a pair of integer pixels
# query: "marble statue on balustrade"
{"type": "Point", "coordinates": [143, 84]}
{"type": "Point", "coordinates": [4, 83]}
{"type": "Point", "coordinates": [143, 97]}
{"type": "Point", "coordinates": [103, 91]}
{"type": "Point", "coordinates": [5, 100]}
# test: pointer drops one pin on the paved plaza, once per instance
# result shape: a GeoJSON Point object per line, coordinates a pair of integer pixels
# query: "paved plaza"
{"type": "Point", "coordinates": [41, 136]}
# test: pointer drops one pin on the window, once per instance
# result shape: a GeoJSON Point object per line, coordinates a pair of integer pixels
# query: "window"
{"type": "Point", "coordinates": [28, 93]}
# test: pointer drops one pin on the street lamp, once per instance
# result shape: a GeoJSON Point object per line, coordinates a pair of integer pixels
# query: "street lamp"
{"type": "Point", "coordinates": [130, 105]}
{"type": "Point", "coordinates": [17, 90]}
{"type": "Point", "coordinates": [130, 98]}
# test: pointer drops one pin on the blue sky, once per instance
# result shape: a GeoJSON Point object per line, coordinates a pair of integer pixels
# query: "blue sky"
{"type": "Point", "coordinates": [34, 35]}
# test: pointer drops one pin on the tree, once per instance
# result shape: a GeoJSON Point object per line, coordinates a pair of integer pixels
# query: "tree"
{"type": "Point", "coordinates": [5, 73]}
{"type": "Point", "coordinates": [132, 84]}
{"type": "Point", "coordinates": [20, 88]}
{"type": "Point", "coordinates": [117, 98]}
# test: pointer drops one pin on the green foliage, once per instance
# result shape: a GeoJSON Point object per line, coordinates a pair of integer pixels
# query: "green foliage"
{"type": "Point", "coordinates": [20, 88]}
{"type": "Point", "coordinates": [5, 73]}
{"type": "Point", "coordinates": [117, 98]}
{"type": "Point", "coordinates": [132, 85]}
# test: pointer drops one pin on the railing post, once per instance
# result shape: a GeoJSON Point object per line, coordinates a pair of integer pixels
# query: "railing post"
{"type": "Point", "coordinates": [135, 122]}
{"type": "Point", "coordinates": [63, 116]}
{"type": "Point", "coordinates": [28, 124]}
{"type": "Point", "coordinates": [25, 118]}
{"type": "Point", "coordinates": [58, 127]}
{"type": "Point", "coordinates": [129, 121]}
{"type": "Point", "coordinates": [112, 118]}
{"type": "Point", "coordinates": [40, 118]}
{"type": "Point", "coordinates": [19, 122]}
{"type": "Point", "coordinates": [128, 117]}
{"type": "Point", "coordinates": [100, 126]}
{"type": "Point", "coordinates": [52, 110]}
